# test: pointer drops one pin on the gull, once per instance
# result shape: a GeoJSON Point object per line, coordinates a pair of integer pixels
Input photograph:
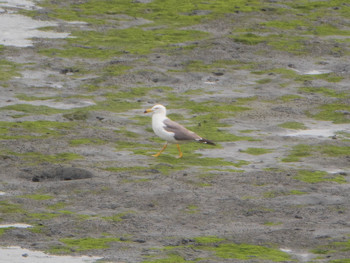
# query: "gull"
{"type": "Point", "coordinates": [171, 131]}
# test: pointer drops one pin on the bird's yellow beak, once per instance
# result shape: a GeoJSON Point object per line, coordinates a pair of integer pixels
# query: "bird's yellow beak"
{"type": "Point", "coordinates": [147, 111]}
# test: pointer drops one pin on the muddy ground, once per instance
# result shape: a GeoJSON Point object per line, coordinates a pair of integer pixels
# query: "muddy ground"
{"type": "Point", "coordinates": [76, 161]}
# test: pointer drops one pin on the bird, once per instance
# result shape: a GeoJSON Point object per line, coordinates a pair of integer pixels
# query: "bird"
{"type": "Point", "coordinates": [171, 131]}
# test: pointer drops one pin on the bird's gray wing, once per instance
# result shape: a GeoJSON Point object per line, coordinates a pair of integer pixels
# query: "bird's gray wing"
{"type": "Point", "coordinates": [180, 132]}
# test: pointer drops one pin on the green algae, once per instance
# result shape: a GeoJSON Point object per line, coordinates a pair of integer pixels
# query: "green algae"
{"type": "Point", "coordinates": [302, 150]}
{"type": "Point", "coordinates": [118, 101]}
{"type": "Point", "coordinates": [283, 42]}
{"type": "Point", "coordinates": [57, 206]}
{"type": "Point", "coordinates": [299, 151]}
{"type": "Point", "coordinates": [117, 217]}
{"type": "Point", "coordinates": [167, 19]}
{"type": "Point", "coordinates": [208, 240]}
{"type": "Point", "coordinates": [117, 42]}
{"type": "Point", "coordinates": [293, 125]}
{"type": "Point", "coordinates": [39, 197]}
{"type": "Point", "coordinates": [248, 251]}
{"type": "Point", "coordinates": [343, 260]}
{"type": "Point", "coordinates": [223, 249]}
{"type": "Point", "coordinates": [3, 230]}
{"type": "Point", "coordinates": [335, 249]}
{"type": "Point", "coordinates": [192, 209]}
{"type": "Point", "coordinates": [82, 244]}
{"type": "Point", "coordinates": [290, 97]}
{"type": "Point", "coordinates": [9, 208]}
{"type": "Point", "coordinates": [8, 70]}
{"type": "Point", "coordinates": [126, 169]}
{"type": "Point", "coordinates": [201, 66]}
{"type": "Point", "coordinates": [330, 77]}
{"type": "Point", "coordinates": [335, 112]}
{"type": "Point", "coordinates": [160, 12]}
{"type": "Point", "coordinates": [273, 194]}
{"type": "Point", "coordinates": [318, 176]}
{"type": "Point", "coordinates": [32, 109]}
{"type": "Point", "coordinates": [307, 27]}
{"type": "Point", "coordinates": [264, 81]}
{"type": "Point", "coordinates": [171, 258]}
{"type": "Point", "coordinates": [256, 151]}
{"type": "Point", "coordinates": [273, 223]}
{"type": "Point", "coordinates": [78, 115]}
{"type": "Point", "coordinates": [334, 150]}
{"type": "Point", "coordinates": [115, 70]}
{"type": "Point", "coordinates": [26, 97]}
{"type": "Point", "coordinates": [33, 129]}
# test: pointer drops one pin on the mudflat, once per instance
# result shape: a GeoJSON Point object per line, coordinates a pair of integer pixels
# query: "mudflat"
{"type": "Point", "coordinates": [267, 81]}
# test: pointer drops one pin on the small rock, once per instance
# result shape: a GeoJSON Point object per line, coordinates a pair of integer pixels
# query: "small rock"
{"type": "Point", "coordinates": [218, 73]}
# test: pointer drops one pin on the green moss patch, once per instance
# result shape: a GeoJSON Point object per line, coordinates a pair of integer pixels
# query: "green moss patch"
{"type": "Point", "coordinates": [325, 91]}
{"type": "Point", "coordinates": [117, 217]}
{"type": "Point", "coordinates": [8, 70]}
{"type": "Point", "coordinates": [200, 66]}
{"type": "Point", "coordinates": [160, 12]}
{"type": "Point", "coordinates": [298, 152]}
{"type": "Point", "coordinates": [302, 150]}
{"type": "Point", "coordinates": [78, 115]}
{"type": "Point", "coordinates": [273, 194]}
{"type": "Point", "coordinates": [335, 112]}
{"type": "Point", "coordinates": [171, 258]}
{"type": "Point", "coordinates": [223, 249]}
{"type": "Point", "coordinates": [32, 109]}
{"type": "Point", "coordinates": [334, 150]}
{"type": "Point", "coordinates": [318, 176]}
{"type": "Point", "coordinates": [290, 97]}
{"type": "Point", "coordinates": [9, 208]}
{"type": "Point", "coordinates": [284, 42]}
{"type": "Point", "coordinates": [104, 45]}
{"type": "Point", "coordinates": [118, 101]}
{"type": "Point", "coordinates": [83, 244]}
{"type": "Point", "coordinates": [57, 206]}
{"type": "Point", "coordinates": [248, 251]}
{"type": "Point", "coordinates": [208, 240]}
{"type": "Point", "coordinates": [293, 125]}
{"type": "Point", "coordinates": [39, 197]}
{"type": "Point", "coordinates": [33, 129]}
{"type": "Point", "coordinates": [338, 250]}
{"type": "Point", "coordinates": [192, 209]}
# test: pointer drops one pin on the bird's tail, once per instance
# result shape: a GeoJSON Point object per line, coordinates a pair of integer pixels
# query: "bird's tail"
{"type": "Point", "coordinates": [202, 140]}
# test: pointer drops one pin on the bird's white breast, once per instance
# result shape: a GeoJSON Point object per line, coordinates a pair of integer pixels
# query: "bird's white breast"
{"type": "Point", "coordinates": [158, 128]}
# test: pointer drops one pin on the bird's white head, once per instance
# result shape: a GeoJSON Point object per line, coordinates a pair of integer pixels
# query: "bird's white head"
{"type": "Point", "coordinates": [158, 108]}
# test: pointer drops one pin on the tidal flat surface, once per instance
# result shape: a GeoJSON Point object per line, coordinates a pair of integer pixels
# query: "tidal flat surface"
{"type": "Point", "coordinates": [268, 81]}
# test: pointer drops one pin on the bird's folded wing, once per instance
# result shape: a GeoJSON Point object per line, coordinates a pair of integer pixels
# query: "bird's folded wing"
{"type": "Point", "coordinates": [180, 132]}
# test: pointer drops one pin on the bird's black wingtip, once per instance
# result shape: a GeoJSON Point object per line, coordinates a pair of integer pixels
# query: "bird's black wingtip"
{"type": "Point", "coordinates": [206, 142]}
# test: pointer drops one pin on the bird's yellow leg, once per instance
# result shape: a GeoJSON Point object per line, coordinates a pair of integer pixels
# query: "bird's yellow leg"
{"type": "Point", "coordinates": [157, 154]}
{"type": "Point", "coordinates": [180, 153]}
